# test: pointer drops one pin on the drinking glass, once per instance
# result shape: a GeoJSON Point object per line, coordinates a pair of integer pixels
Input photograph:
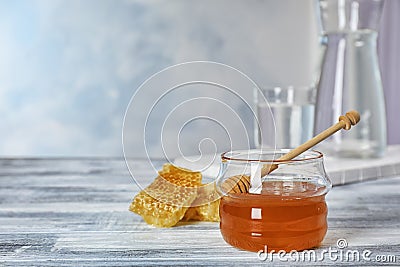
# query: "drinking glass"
{"type": "Point", "coordinates": [285, 115]}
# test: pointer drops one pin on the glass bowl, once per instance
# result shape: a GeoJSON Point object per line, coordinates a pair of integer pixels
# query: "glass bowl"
{"type": "Point", "coordinates": [284, 210]}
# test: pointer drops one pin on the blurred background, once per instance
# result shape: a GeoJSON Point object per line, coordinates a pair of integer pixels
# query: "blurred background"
{"type": "Point", "coordinates": [69, 68]}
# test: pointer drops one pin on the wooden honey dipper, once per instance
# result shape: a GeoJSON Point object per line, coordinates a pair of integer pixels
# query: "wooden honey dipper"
{"type": "Point", "coordinates": [241, 183]}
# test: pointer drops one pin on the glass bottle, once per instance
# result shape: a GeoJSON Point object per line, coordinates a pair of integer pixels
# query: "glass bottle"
{"type": "Point", "coordinates": [350, 77]}
{"type": "Point", "coordinates": [284, 210]}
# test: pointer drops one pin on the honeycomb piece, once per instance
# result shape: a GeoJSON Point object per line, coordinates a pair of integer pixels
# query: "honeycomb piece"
{"type": "Point", "coordinates": [180, 176]}
{"type": "Point", "coordinates": [164, 202]}
{"type": "Point", "coordinates": [208, 212]}
{"type": "Point", "coordinates": [204, 212]}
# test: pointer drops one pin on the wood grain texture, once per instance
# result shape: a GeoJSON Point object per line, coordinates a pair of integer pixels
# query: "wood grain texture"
{"type": "Point", "coordinates": [74, 212]}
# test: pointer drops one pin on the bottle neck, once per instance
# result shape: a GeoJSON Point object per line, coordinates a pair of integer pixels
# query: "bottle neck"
{"type": "Point", "coordinates": [350, 15]}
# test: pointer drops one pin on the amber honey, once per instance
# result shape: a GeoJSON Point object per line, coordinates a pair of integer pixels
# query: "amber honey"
{"type": "Point", "coordinates": [286, 215]}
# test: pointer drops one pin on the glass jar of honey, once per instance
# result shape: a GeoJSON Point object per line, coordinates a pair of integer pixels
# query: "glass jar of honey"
{"type": "Point", "coordinates": [284, 210]}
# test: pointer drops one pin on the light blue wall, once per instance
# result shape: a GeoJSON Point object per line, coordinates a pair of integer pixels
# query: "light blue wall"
{"type": "Point", "coordinates": [69, 68]}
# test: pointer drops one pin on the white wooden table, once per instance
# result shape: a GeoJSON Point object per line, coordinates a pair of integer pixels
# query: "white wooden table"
{"type": "Point", "coordinates": [75, 212]}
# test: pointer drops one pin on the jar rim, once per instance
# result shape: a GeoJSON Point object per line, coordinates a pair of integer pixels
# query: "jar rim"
{"type": "Point", "coordinates": [316, 155]}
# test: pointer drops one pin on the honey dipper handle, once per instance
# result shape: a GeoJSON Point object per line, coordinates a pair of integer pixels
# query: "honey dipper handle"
{"type": "Point", "coordinates": [345, 122]}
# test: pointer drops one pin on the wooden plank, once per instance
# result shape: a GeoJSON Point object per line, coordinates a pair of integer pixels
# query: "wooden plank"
{"type": "Point", "coordinates": [75, 212]}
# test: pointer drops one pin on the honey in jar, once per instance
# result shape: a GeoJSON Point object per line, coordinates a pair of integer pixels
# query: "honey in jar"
{"type": "Point", "coordinates": [288, 213]}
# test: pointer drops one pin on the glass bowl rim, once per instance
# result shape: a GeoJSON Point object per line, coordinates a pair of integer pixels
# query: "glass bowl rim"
{"type": "Point", "coordinates": [224, 157]}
